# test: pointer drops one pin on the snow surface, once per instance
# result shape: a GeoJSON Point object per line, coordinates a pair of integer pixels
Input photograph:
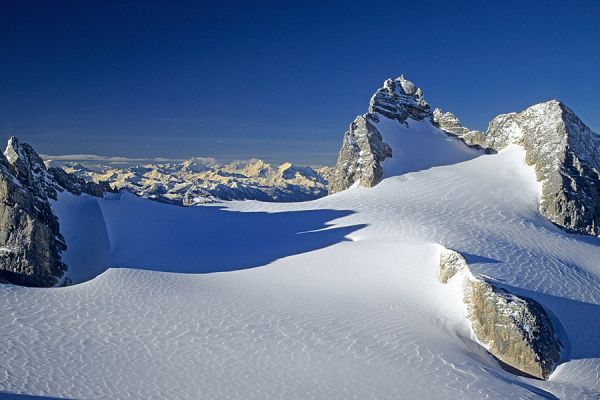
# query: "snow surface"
{"type": "Point", "coordinates": [336, 298]}
{"type": "Point", "coordinates": [418, 145]}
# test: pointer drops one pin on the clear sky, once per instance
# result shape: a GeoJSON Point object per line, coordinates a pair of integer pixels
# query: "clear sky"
{"type": "Point", "coordinates": [276, 80]}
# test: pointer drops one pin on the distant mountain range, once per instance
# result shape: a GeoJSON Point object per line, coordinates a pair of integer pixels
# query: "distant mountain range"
{"type": "Point", "coordinates": [200, 180]}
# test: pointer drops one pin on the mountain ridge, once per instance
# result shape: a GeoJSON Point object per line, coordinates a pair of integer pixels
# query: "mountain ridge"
{"type": "Point", "coordinates": [198, 181]}
{"type": "Point", "coordinates": [561, 148]}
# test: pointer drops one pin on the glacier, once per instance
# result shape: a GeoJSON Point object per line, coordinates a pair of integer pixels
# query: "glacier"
{"type": "Point", "coordinates": [333, 298]}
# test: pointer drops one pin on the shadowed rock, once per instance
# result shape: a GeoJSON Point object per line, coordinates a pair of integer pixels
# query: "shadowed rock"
{"type": "Point", "coordinates": [30, 238]}
{"type": "Point", "coordinates": [516, 330]}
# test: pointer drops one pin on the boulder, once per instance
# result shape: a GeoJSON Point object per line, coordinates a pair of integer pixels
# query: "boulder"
{"type": "Point", "coordinates": [514, 329]}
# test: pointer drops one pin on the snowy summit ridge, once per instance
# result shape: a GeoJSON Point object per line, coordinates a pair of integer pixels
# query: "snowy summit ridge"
{"type": "Point", "coordinates": [363, 149]}
{"type": "Point", "coordinates": [563, 150]}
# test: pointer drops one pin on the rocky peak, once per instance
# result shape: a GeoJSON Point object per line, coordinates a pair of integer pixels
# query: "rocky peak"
{"type": "Point", "coordinates": [515, 329]}
{"type": "Point", "coordinates": [361, 155]}
{"type": "Point", "coordinates": [30, 237]}
{"type": "Point", "coordinates": [562, 149]}
{"type": "Point", "coordinates": [29, 168]}
{"type": "Point", "coordinates": [400, 99]}
{"type": "Point", "coordinates": [363, 150]}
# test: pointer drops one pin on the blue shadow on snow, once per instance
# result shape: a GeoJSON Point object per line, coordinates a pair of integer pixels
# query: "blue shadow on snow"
{"type": "Point", "coordinates": [213, 239]}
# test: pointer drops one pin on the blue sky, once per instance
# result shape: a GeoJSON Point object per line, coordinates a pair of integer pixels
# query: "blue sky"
{"type": "Point", "coordinates": [276, 80]}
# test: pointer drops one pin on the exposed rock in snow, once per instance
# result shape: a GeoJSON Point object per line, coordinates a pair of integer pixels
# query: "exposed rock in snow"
{"type": "Point", "coordinates": [200, 181]}
{"type": "Point", "coordinates": [363, 150]}
{"type": "Point", "coordinates": [451, 263]}
{"type": "Point", "coordinates": [29, 231]}
{"type": "Point", "coordinates": [516, 330]}
{"type": "Point", "coordinates": [361, 156]}
{"type": "Point", "coordinates": [449, 123]}
{"type": "Point", "coordinates": [563, 150]}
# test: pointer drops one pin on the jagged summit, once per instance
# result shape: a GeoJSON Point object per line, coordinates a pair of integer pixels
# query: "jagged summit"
{"type": "Point", "coordinates": [399, 99]}
{"type": "Point", "coordinates": [364, 150]}
{"type": "Point", "coordinates": [30, 239]}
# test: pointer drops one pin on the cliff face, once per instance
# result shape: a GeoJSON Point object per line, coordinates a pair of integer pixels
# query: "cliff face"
{"type": "Point", "coordinates": [363, 149]}
{"type": "Point", "coordinates": [30, 240]}
{"type": "Point", "coordinates": [563, 150]}
{"type": "Point", "coordinates": [361, 155]}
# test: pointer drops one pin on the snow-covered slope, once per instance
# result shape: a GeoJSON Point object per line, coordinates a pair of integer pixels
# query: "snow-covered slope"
{"type": "Point", "coordinates": [336, 298]}
{"type": "Point", "coordinates": [419, 145]}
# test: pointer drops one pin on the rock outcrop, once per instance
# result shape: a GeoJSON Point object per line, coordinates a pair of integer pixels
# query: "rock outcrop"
{"type": "Point", "coordinates": [450, 124]}
{"type": "Point", "coordinates": [563, 150]}
{"type": "Point", "coordinates": [363, 149]}
{"type": "Point", "coordinates": [516, 330]}
{"type": "Point", "coordinates": [399, 99]}
{"type": "Point", "coordinates": [361, 156]}
{"type": "Point", "coordinates": [30, 240]}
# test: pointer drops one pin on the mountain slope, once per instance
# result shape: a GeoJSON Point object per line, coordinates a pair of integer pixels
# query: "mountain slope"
{"type": "Point", "coordinates": [563, 150]}
{"type": "Point", "coordinates": [344, 303]}
{"type": "Point", "coordinates": [335, 298]}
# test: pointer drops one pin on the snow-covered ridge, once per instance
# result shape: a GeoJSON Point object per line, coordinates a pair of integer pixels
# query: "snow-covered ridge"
{"type": "Point", "coordinates": [563, 150]}
{"type": "Point", "coordinates": [201, 180]}
{"type": "Point", "coordinates": [391, 140]}
{"type": "Point", "coordinates": [336, 298]}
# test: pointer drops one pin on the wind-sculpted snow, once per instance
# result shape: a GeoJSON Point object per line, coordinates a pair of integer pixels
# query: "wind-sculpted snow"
{"type": "Point", "coordinates": [355, 313]}
{"type": "Point", "coordinates": [229, 240]}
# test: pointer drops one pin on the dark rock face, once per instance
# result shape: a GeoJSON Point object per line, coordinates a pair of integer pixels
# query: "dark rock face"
{"type": "Point", "coordinates": [516, 330]}
{"type": "Point", "coordinates": [30, 239]}
{"type": "Point", "coordinates": [77, 185]}
{"type": "Point", "coordinates": [450, 124]}
{"type": "Point", "coordinates": [363, 150]}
